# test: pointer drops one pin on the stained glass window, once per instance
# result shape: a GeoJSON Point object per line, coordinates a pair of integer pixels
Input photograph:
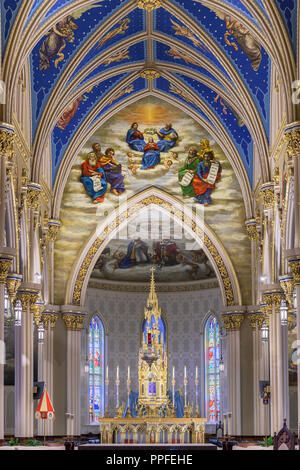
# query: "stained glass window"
{"type": "Point", "coordinates": [212, 363]}
{"type": "Point", "coordinates": [96, 348]}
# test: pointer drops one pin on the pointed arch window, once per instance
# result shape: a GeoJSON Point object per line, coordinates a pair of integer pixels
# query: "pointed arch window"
{"type": "Point", "coordinates": [212, 369]}
{"type": "Point", "coordinates": [96, 351]}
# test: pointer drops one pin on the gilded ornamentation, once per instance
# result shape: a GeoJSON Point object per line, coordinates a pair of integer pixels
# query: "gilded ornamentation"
{"type": "Point", "coordinates": [251, 227]}
{"type": "Point", "coordinates": [73, 321]}
{"type": "Point", "coordinates": [227, 284]}
{"type": "Point", "coordinates": [272, 297]}
{"type": "Point", "coordinates": [13, 282]}
{"type": "Point", "coordinates": [97, 284]}
{"type": "Point", "coordinates": [49, 318]}
{"type": "Point", "coordinates": [149, 5]}
{"type": "Point", "coordinates": [268, 194]}
{"type": "Point", "coordinates": [37, 309]}
{"type": "Point", "coordinates": [287, 283]}
{"type": "Point", "coordinates": [5, 264]}
{"type": "Point", "coordinates": [256, 318]}
{"type": "Point", "coordinates": [28, 298]}
{"type": "Point", "coordinates": [293, 140]}
{"type": "Point", "coordinates": [233, 321]}
{"type": "Point", "coordinates": [7, 137]}
{"type": "Point", "coordinates": [53, 229]}
{"type": "Point", "coordinates": [33, 195]}
{"type": "Point", "coordinates": [150, 74]}
{"type": "Point", "coordinates": [294, 264]}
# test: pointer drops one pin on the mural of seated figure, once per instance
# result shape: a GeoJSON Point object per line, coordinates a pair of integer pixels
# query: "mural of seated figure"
{"type": "Point", "coordinates": [93, 179]}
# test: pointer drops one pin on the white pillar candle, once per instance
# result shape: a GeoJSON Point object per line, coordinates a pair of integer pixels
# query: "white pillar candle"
{"type": "Point", "coordinates": [196, 372]}
{"type": "Point", "coordinates": [107, 372]}
{"type": "Point", "coordinates": [185, 372]}
{"type": "Point", "coordinates": [173, 372]}
{"type": "Point", "coordinates": [129, 372]}
{"type": "Point", "coordinates": [117, 372]}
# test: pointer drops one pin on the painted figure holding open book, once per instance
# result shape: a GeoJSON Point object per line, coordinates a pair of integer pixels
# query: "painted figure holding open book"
{"type": "Point", "coordinates": [208, 174]}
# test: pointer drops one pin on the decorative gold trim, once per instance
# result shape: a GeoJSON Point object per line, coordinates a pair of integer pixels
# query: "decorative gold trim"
{"type": "Point", "coordinates": [150, 74]}
{"type": "Point", "coordinates": [149, 5]}
{"type": "Point", "coordinates": [49, 318]}
{"type": "Point", "coordinates": [233, 321]}
{"type": "Point", "coordinates": [5, 264]}
{"type": "Point", "coordinates": [153, 199]}
{"type": "Point", "coordinates": [73, 321]}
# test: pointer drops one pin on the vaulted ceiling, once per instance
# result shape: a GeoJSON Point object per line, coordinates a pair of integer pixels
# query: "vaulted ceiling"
{"type": "Point", "coordinates": [213, 58]}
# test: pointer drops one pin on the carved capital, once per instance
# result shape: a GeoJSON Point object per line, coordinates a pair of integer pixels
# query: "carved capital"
{"type": "Point", "coordinates": [37, 309]}
{"type": "Point", "coordinates": [73, 321]}
{"type": "Point", "coordinates": [149, 5]}
{"type": "Point", "coordinates": [33, 195]}
{"type": "Point", "coordinates": [267, 193]}
{"type": "Point", "coordinates": [251, 227]}
{"type": "Point", "coordinates": [287, 284]}
{"type": "Point", "coordinates": [53, 229]}
{"type": "Point", "coordinates": [6, 140]}
{"type": "Point", "coordinates": [272, 298]}
{"type": "Point", "coordinates": [49, 318]}
{"type": "Point", "coordinates": [294, 264]}
{"type": "Point", "coordinates": [5, 264]}
{"type": "Point", "coordinates": [233, 321]}
{"type": "Point", "coordinates": [13, 282]}
{"type": "Point", "coordinates": [28, 298]}
{"type": "Point", "coordinates": [292, 134]}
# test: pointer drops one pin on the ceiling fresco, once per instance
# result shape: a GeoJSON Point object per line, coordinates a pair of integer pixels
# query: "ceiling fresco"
{"type": "Point", "coordinates": [130, 171]}
{"type": "Point", "coordinates": [111, 34]}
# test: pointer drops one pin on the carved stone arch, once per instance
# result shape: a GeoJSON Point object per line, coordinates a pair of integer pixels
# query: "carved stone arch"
{"type": "Point", "coordinates": [88, 129]}
{"type": "Point", "coordinates": [82, 268]}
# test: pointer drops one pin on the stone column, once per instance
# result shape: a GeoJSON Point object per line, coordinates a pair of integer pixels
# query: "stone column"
{"type": "Point", "coordinates": [53, 229]}
{"type": "Point", "coordinates": [73, 317]}
{"type": "Point", "coordinates": [233, 318]}
{"type": "Point", "coordinates": [28, 295]}
{"type": "Point", "coordinates": [49, 319]}
{"type": "Point", "coordinates": [294, 263]}
{"type": "Point", "coordinates": [272, 296]}
{"type": "Point", "coordinates": [260, 362]}
{"type": "Point", "coordinates": [5, 264]}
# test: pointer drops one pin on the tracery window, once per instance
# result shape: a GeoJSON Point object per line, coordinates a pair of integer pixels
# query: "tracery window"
{"type": "Point", "coordinates": [212, 369]}
{"type": "Point", "coordinates": [96, 349]}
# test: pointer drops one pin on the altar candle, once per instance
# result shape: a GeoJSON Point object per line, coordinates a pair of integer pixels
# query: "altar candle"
{"type": "Point", "coordinates": [196, 372]}
{"type": "Point", "coordinates": [185, 372]}
{"type": "Point", "coordinates": [173, 372]}
{"type": "Point", "coordinates": [129, 372]}
{"type": "Point", "coordinates": [117, 372]}
{"type": "Point", "coordinates": [107, 372]}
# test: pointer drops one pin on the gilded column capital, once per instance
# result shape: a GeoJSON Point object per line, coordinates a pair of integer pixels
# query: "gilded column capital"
{"type": "Point", "coordinates": [256, 319]}
{"type": "Point", "coordinates": [294, 264]}
{"type": "Point", "coordinates": [13, 282]}
{"type": "Point", "coordinates": [49, 318]}
{"type": "Point", "coordinates": [28, 294]}
{"type": "Point", "coordinates": [5, 264]}
{"type": "Point", "coordinates": [37, 310]}
{"type": "Point", "coordinates": [267, 192]}
{"type": "Point", "coordinates": [73, 321]}
{"type": "Point", "coordinates": [292, 134]}
{"type": "Point", "coordinates": [150, 74]}
{"type": "Point", "coordinates": [251, 228]}
{"type": "Point", "coordinates": [7, 136]}
{"type": "Point", "coordinates": [287, 284]}
{"type": "Point", "coordinates": [33, 195]}
{"type": "Point", "coordinates": [53, 229]}
{"type": "Point", "coordinates": [273, 297]}
{"type": "Point", "coordinates": [233, 320]}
